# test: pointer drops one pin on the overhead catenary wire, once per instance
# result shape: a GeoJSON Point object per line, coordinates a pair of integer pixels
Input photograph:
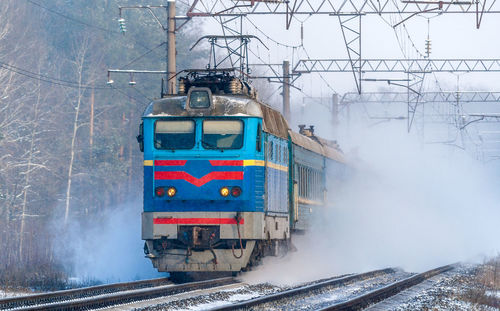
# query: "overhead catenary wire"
{"type": "Point", "coordinates": [64, 83]}
{"type": "Point", "coordinates": [130, 96]}
{"type": "Point", "coordinates": [142, 94]}
{"type": "Point", "coordinates": [72, 18]}
{"type": "Point", "coordinates": [45, 78]}
{"type": "Point", "coordinates": [320, 75]}
{"type": "Point", "coordinates": [74, 84]}
{"type": "Point", "coordinates": [77, 21]}
{"type": "Point", "coordinates": [293, 56]}
{"type": "Point", "coordinates": [142, 55]}
{"type": "Point", "coordinates": [269, 38]}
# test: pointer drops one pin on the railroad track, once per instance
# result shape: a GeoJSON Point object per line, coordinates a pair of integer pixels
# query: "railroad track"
{"type": "Point", "coordinates": [106, 295]}
{"type": "Point", "coordinates": [356, 303]}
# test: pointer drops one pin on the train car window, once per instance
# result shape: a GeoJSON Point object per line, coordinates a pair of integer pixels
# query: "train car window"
{"type": "Point", "coordinates": [309, 183]}
{"type": "Point", "coordinates": [306, 182]}
{"type": "Point", "coordinates": [299, 171]}
{"type": "Point", "coordinates": [222, 134]}
{"type": "Point", "coordinates": [304, 176]}
{"type": "Point", "coordinates": [301, 181]}
{"type": "Point", "coordinates": [271, 148]}
{"type": "Point", "coordinates": [174, 134]}
{"type": "Point", "coordinates": [259, 138]}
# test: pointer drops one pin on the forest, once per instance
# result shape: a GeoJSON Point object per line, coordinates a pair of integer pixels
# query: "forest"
{"type": "Point", "coordinates": [68, 149]}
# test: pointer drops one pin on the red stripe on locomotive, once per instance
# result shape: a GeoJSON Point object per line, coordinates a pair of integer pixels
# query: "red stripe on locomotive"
{"type": "Point", "coordinates": [197, 221]}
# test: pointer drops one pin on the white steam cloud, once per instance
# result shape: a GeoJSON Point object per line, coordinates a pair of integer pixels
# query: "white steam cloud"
{"type": "Point", "coordinates": [109, 249]}
{"type": "Point", "coordinates": [407, 205]}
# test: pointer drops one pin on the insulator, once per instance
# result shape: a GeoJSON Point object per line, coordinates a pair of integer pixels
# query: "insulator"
{"type": "Point", "coordinates": [235, 86]}
{"type": "Point", "coordinates": [132, 82]}
{"type": "Point", "coordinates": [428, 46]}
{"type": "Point", "coordinates": [182, 86]}
{"type": "Point", "coordinates": [123, 27]}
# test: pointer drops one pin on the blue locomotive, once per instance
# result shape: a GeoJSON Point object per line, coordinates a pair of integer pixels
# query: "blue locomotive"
{"type": "Point", "coordinates": [226, 181]}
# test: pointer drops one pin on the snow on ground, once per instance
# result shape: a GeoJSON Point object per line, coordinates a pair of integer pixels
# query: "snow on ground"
{"type": "Point", "coordinates": [493, 293]}
{"type": "Point", "coordinates": [453, 290]}
{"type": "Point", "coordinates": [458, 289]}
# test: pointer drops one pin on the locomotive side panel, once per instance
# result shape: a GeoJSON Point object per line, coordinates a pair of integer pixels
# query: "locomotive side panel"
{"type": "Point", "coordinates": [276, 176]}
{"type": "Point", "coordinates": [277, 196]}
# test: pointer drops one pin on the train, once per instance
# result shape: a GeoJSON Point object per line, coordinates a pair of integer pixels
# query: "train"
{"type": "Point", "coordinates": [226, 181]}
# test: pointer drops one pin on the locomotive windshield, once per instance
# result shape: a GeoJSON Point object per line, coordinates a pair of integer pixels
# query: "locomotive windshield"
{"type": "Point", "coordinates": [222, 134]}
{"type": "Point", "coordinates": [178, 134]}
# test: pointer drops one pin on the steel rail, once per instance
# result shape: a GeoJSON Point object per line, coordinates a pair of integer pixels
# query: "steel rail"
{"type": "Point", "coordinates": [122, 294]}
{"type": "Point", "coordinates": [383, 293]}
{"type": "Point", "coordinates": [302, 290]}
{"type": "Point", "coordinates": [12, 302]}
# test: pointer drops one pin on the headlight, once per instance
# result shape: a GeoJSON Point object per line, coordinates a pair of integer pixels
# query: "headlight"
{"type": "Point", "coordinates": [224, 191]}
{"type": "Point", "coordinates": [171, 191]}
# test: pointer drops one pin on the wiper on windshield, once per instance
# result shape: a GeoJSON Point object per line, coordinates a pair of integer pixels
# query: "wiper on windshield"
{"type": "Point", "coordinates": [203, 142]}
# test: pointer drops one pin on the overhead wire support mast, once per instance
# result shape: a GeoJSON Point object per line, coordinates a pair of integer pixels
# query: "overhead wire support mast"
{"type": "Point", "coordinates": [204, 8]}
{"type": "Point", "coordinates": [350, 24]}
{"type": "Point", "coordinates": [402, 65]}
{"type": "Point", "coordinates": [431, 97]}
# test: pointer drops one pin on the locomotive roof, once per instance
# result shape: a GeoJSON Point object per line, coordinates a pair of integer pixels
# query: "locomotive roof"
{"type": "Point", "coordinates": [232, 105]}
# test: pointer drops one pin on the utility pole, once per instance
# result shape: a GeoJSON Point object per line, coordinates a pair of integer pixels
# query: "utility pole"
{"type": "Point", "coordinates": [286, 90]}
{"type": "Point", "coordinates": [171, 52]}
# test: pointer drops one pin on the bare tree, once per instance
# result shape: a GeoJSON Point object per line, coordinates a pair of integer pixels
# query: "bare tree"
{"type": "Point", "coordinates": [15, 91]}
{"type": "Point", "coordinates": [79, 62]}
{"type": "Point", "coordinates": [85, 67]}
{"type": "Point", "coordinates": [32, 164]}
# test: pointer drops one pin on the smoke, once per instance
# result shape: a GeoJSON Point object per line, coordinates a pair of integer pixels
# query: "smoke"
{"type": "Point", "coordinates": [405, 204]}
{"type": "Point", "coordinates": [107, 249]}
